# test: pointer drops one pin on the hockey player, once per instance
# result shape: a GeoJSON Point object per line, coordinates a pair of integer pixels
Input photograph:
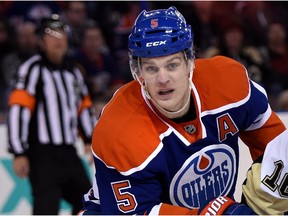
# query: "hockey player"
{"type": "Point", "coordinates": [167, 142]}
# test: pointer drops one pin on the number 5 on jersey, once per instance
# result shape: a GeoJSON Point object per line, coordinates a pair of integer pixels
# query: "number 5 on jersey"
{"type": "Point", "coordinates": [126, 201]}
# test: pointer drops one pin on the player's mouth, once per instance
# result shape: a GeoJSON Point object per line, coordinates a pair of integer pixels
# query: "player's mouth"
{"type": "Point", "coordinates": [165, 94]}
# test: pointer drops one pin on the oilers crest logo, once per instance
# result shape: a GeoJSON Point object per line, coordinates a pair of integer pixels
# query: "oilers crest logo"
{"type": "Point", "coordinates": [206, 174]}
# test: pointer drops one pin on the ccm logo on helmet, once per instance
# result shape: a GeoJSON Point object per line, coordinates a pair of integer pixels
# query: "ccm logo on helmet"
{"type": "Point", "coordinates": [156, 43]}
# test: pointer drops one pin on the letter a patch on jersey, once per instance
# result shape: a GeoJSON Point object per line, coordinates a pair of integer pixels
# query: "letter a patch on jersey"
{"type": "Point", "coordinates": [225, 126]}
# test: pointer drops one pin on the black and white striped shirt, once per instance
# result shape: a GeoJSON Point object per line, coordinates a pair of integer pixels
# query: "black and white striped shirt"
{"type": "Point", "coordinates": [49, 105]}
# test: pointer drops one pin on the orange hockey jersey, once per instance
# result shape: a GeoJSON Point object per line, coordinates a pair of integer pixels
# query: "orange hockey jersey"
{"type": "Point", "coordinates": [147, 164]}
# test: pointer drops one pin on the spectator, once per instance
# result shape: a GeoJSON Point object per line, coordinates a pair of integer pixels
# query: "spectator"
{"type": "Point", "coordinates": [49, 102]}
{"type": "Point", "coordinates": [102, 73]}
{"type": "Point", "coordinates": [129, 12]}
{"type": "Point", "coordinates": [26, 46]}
{"type": "Point", "coordinates": [5, 34]}
{"type": "Point", "coordinates": [282, 101]}
{"type": "Point", "coordinates": [232, 43]}
{"type": "Point", "coordinates": [17, 12]}
{"type": "Point", "coordinates": [75, 15]}
{"type": "Point", "coordinates": [203, 16]}
{"type": "Point", "coordinates": [5, 47]}
{"type": "Point", "coordinates": [258, 15]}
{"type": "Point", "coordinates": [275, 52]}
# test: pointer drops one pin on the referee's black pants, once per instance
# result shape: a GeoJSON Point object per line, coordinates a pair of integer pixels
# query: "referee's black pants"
{"type": "Point", "coordinates": [56, 172]}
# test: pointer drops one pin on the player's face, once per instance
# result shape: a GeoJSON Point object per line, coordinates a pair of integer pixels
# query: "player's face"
{"type": "Point", "coordinates": [166, 79]}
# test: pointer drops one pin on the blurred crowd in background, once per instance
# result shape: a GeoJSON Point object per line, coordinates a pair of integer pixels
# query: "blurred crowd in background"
{"type": "Point", "coordinates": [251, 32]}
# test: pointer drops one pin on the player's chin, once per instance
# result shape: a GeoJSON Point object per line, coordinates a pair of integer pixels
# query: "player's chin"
{"type": "Point", "coordinates": [167, 105]}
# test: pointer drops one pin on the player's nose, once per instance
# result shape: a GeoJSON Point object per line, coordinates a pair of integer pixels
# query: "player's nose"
{"type": "Point", "coordinates": [163, 76]}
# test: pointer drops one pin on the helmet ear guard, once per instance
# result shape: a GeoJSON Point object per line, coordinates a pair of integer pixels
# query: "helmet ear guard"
{"type": "Point", "coordinates": [135, 68]}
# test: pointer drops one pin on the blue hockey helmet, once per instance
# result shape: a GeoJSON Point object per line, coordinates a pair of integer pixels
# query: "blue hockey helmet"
{"type": "Point", "coordinates": [160, 32]}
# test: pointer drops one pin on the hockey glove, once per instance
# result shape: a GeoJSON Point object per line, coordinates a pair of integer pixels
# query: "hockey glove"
{"type": "Point", "coordinates": [226, 206]}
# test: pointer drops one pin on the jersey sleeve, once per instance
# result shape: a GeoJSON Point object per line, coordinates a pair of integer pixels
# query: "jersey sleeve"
{"type": "Point", "coordinates": [91, 201]}
{"type": "Point", "coordinates": [265, 191]}
{"type": "Point", "coordinates": [265, 188]}
{"type": "Point", "coordinates": [21, 104]}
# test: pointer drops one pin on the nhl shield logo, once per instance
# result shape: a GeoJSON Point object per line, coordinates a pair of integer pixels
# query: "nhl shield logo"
{"type": "Point", "coordinates": [190, 129]}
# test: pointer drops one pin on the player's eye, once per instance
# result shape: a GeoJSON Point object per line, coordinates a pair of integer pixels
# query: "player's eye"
{"type": "Point", "coordinates": [172, 66]}
{"type": "Point", "coordinates": [151, 69]}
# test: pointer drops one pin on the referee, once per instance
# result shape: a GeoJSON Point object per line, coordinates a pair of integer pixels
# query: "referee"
{"type": "Point", "coordinates": [49, 108]}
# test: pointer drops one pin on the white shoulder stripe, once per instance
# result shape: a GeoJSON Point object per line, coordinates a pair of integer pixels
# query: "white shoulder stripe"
{"type": "Point", "coordinates": [260, 120]}
{"type": "Point", "coordinates": [227, 107]}
{"type": "Point", "coordinates": [231, 105]}
{"type": "Point", "coordinates": [155, 210]}
{"type": "Point", "coordinates": [194, 89]}
{"type": "Point", "coordinates": [259, 87]}
{"type": "Point", "coordinates": [141, 166]}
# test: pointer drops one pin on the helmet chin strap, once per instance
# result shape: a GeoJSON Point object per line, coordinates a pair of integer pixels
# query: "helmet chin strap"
{"type": "Point", "coordinates": [167, 113]}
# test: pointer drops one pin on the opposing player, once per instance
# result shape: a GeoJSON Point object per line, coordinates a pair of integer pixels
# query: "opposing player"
{"type": "Point", "coordinates": [167, 143]}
